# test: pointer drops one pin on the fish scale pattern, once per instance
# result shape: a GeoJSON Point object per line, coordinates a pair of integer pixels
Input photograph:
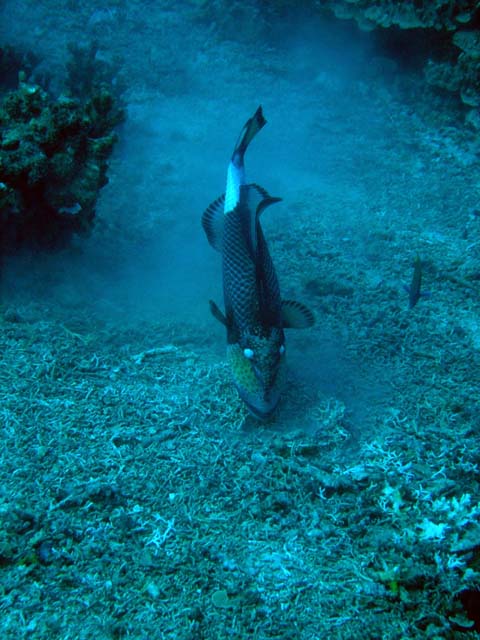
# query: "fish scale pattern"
{"type": "Point", "coordinates": [239, 275]}
{"type": "Point", "coordinates": [251, 289]}
{"type": "Point", "coordinates": [271, 311]}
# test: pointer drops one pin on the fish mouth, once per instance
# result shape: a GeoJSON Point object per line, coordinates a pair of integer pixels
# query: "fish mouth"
{"type": "Point", "coordinates": [263, 412]}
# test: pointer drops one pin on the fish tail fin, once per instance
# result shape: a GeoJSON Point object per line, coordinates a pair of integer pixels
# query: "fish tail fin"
{"type": "Point", "coordinates": [249, 131]}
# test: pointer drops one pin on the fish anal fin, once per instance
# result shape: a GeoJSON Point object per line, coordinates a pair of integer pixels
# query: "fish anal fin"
{"type": "Point", "coordinates": [296, 315]}
{"type": "Point", "coordinates": [217, 313]}
{"type": "Point", "coordinates": [213, 222]}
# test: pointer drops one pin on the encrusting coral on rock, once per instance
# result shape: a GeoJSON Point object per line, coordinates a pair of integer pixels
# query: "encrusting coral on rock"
{"type": "Point", "coordinates": [457, 69]}
{"type": "Point", "coordinates": [53, 162]}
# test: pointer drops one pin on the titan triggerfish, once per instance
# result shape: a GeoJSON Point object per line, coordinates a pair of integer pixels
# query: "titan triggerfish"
{"type": "Point", "coordinates": [255, 315]}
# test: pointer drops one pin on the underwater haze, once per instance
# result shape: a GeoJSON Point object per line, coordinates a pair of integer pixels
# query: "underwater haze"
{"type": "Point", "coordinates": [138, 496]}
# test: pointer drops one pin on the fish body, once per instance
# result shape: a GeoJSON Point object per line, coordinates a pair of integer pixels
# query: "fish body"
{"type": "Point", "coordinates": [255, 315]}
{"type": "Point", "coordinates": [415, 289]}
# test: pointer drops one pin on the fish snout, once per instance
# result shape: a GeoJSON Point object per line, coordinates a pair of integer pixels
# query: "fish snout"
{"type": "Point", "coordinates": [262, 407]}
{"type": "Point", "coordinates": [258, 381]}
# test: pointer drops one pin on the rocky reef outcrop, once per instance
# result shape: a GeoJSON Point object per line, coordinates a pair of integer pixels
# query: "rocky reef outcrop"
{"type": "Point", "coordinates": [54, 154]}
{"type": "Point", "coordinates": [451, 28]}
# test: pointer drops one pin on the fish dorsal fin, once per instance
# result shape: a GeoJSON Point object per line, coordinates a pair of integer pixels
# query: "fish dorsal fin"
{"type": "Point", "coordinates": [256, 200]}
{"type": "Point", "coordinates": [260, 199]}
{"type": "Point", "coordinates": [296, 315]}
{"type": "Point", "coordinates": [213, 221]}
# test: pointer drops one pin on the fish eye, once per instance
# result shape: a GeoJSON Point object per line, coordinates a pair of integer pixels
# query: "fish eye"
{"type": "Point", "coordinates": [281, 349]}
{"type": "Point", "coordinates": [248, 353]}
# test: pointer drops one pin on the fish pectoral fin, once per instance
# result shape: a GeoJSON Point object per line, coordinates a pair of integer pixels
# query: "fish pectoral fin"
{"type": "Point", "coordinates": [217, 313]}
{"type": "Point", "coordinates": [213, 222]}
{"type": "Point", "coordinates": [296, 315]}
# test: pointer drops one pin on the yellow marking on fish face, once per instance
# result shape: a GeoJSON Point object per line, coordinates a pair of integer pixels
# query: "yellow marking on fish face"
{"type": "Point", "coordinates": [258, 372]}
{"type": "Point", "coordinates": [242, 369]}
